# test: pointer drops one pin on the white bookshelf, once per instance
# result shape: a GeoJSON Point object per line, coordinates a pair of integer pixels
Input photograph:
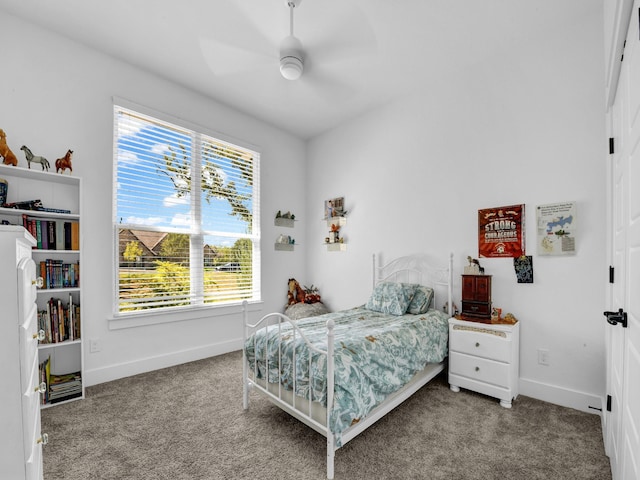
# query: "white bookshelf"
{"type": "Point", "coordinates": [63, 192]}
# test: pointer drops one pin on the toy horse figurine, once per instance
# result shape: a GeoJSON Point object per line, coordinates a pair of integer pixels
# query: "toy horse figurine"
{"type": "Point", "coordinates": [5, 151]}
{"type": "Point", "coordinates": [34, 158]}
{"type": "Point", "coordinates": [64, 162]}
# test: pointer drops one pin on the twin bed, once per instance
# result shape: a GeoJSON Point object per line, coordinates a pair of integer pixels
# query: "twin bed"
{"type": "Point", "coordinates": [341, 372]}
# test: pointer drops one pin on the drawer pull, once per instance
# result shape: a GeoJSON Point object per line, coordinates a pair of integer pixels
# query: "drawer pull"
{"type": "Point", "coordinates": [477, 369]}
{"type": "Point", "coordinates": [44, 439]}
{"type": "Point", "coordinates": [477, 344]}
{"type": "Point", "coordinates": [39, 335]}
{"type": "Point", "coordinates": [41, 388]}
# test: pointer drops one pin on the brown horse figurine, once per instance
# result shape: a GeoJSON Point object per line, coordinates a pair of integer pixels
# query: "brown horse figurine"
{"type": "Point", "coordinates": [5, 151]}
{"type": "Point", "coordinates": [64, 162]}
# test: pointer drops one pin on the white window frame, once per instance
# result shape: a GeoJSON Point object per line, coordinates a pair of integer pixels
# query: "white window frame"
{"type": "Point", "coordinates": [197, 308]}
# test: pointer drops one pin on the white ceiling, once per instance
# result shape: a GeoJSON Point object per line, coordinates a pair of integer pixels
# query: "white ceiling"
{"type": "Point", "coordinates": [360, 53]}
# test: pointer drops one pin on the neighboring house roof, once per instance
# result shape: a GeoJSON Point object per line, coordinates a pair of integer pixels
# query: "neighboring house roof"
{"type": "Point", "coordinates": [151, 242]}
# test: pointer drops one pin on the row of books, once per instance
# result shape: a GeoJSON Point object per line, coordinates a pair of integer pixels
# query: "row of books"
{"type": "Point", "coordinates": [60, 321]}
{"type": "Point", "coordinates": [57, 274]}
{"type": "Point", "coordinates": [53, 234]}
{"type": "Point", "coordinates": [59, 387]}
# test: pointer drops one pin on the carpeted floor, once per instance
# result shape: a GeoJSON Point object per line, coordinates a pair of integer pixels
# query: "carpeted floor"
{"type": "Point", "coordinates": [187, 422]}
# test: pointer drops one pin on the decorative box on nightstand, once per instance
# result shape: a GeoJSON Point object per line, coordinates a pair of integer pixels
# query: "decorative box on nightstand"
{"type": "Point", "coordinates": [484, 358]}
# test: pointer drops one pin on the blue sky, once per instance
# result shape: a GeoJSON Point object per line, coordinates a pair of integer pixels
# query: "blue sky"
{"type": "Point", "coordinates": [147, 197]}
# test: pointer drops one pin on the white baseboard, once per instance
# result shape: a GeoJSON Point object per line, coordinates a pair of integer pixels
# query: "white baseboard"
{"type": "Point", "coordinates": [143, 365]}
{"type": "Point", "coordinates": [561, 396]}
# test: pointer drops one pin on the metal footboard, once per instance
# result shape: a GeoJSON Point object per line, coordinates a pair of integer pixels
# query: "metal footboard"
{"type": "Point", "coordinates": [276, 392]}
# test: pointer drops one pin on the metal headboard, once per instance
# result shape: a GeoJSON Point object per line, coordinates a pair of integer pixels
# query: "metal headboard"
{"type": "Point", "coordinates": [419, 269]}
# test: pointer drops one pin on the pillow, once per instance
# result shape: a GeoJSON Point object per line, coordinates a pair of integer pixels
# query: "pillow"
{"type": "Point", "coordinates": [421, 300]}
{"type": "Point", "coordinates": [391, 298]}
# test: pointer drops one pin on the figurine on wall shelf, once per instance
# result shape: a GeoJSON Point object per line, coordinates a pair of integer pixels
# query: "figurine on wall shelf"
{"type": "Point", "coordinates": [35, 158]}
{"type": "Point", "coordinates": [64, 162]}
{"type": "Point", "coordinates": [5, 152]}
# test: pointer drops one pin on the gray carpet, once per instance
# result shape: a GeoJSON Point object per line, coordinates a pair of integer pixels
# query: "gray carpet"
{"type": "Point", "coordinates": [187, 422]}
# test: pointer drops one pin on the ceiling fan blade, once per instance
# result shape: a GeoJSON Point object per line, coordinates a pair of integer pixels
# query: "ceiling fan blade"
{"type": "Point", "coordinates": [327, 87]}
{"type": "Point", "coordinates": [236, 29]}
{"type": "Point", "coordinates": [224, 59]}
{"type": "Point", "coordinates": [351, 37]}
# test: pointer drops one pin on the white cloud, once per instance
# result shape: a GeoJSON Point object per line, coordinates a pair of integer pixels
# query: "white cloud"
{"type": "Point", "coordinates": [181, 220]}
{"type": "Point", "coordinates": [129, 126]}
{"type": "Point", "coordinates": [144, 221]}
{"type": "Point", "coordinates": [125, 156]}
{"type": "Point", "coordinates": [160, 148]}
{"type": "Point", "coordinates": [174, 200]}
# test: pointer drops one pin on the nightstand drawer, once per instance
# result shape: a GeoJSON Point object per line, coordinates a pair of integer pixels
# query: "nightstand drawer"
{"type": "Point", "coordinates": [479, 369]}
{"type": "Point", "coordinates": [480, 341]}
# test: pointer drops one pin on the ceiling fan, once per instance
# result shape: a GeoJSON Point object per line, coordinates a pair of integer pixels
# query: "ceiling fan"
{"type": "Point", "coordinates": [291, 52]}
{"type": "Point", "coordinates": [239, 46]}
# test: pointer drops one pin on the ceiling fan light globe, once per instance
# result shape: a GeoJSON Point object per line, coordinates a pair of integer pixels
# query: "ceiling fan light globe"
{"type": "Point", "coordinates": [291, 68]}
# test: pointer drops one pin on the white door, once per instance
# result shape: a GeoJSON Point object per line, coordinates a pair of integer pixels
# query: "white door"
{"type": "Point", "coordinates": [622, 416]}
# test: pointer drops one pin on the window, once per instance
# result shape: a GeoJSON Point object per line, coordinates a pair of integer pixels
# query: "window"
{"type": "Point", "coordinates": [186, 220]}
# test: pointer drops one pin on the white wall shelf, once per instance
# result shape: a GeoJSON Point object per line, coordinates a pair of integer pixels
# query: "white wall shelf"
{"type": "Point", "coordinates": [284, 222]}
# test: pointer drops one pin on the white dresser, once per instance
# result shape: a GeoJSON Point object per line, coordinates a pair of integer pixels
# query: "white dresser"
{"type": "Point", "coordinates": [484, 358]}
{"type": "Point", "coordinates": [20, 437]}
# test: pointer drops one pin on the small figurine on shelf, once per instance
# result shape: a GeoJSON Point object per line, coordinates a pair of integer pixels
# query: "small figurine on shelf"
{"type": "Point", "coordinates": [5, 152]}
{"type": "Point", "coordinates": [64, 162]}
{"type": "Point", "coordinates": [35, 158]}
{"type": "Point", "coordinates": [474, 267]}
{"type": "Point", "coordinates": [334, 234]}
{"type": "Point", "coordinates": [279, 214]}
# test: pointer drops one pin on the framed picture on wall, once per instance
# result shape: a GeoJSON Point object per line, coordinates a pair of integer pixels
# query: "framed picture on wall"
{"type": "Point", "coordinates": [556, 225]}
{"type": "Point", "coordinates": [501, 232]}
{"type": "Point", "coordinates": [334, 207]}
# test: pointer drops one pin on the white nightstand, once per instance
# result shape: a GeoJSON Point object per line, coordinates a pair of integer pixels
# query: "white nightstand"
{"type": "Point", "coordinates": [483, 357]}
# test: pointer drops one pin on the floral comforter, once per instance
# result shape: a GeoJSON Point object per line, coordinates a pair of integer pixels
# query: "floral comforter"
{"type": "Point", "coordinates": [375, 355]}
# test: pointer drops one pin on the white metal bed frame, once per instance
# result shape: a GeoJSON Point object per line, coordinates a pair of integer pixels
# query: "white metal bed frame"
{"type": "Point", "coordinates": [409, 269]}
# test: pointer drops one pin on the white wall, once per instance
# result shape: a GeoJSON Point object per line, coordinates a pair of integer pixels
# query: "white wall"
{"type": "Point", "coordinates": [57, 95]}
{"type": "Point", "coordinates": [526, 126]}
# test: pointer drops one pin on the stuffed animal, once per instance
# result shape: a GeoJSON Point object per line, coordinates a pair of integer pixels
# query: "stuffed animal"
{"type": "Point", "coordinates": [5, 151]}
{"type": "Point", "coordinates": [311, 294]}
{"type": "Point", "coordinates": [295, 293]}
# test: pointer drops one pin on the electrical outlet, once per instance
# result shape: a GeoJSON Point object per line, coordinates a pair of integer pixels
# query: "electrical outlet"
{"type": "Point", "coordinates": [94, 345]}
{"type": "Point", "coordinates": [543, 356]}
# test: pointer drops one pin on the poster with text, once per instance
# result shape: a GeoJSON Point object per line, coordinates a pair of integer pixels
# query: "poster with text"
{"type": "Point", "coordinates": [556, 225]}
{"type": "Point", "coordinates": [501, 232]}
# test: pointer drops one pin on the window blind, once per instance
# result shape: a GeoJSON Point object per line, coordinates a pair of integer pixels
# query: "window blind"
{"type": "Point", "coordinates": [186, 209]}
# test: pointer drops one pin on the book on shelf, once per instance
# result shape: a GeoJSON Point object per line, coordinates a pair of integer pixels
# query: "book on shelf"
{"type": "Point", "coordinates": [34, 205]}
{"type": "Point", "coordinates": [59, 387]}
{"type": "Point", "coordinates": [53, 234]}
{"type": "Point", "coordinates": [59, 274]}
{"type": "Point", "coordinates": [60, 321]}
